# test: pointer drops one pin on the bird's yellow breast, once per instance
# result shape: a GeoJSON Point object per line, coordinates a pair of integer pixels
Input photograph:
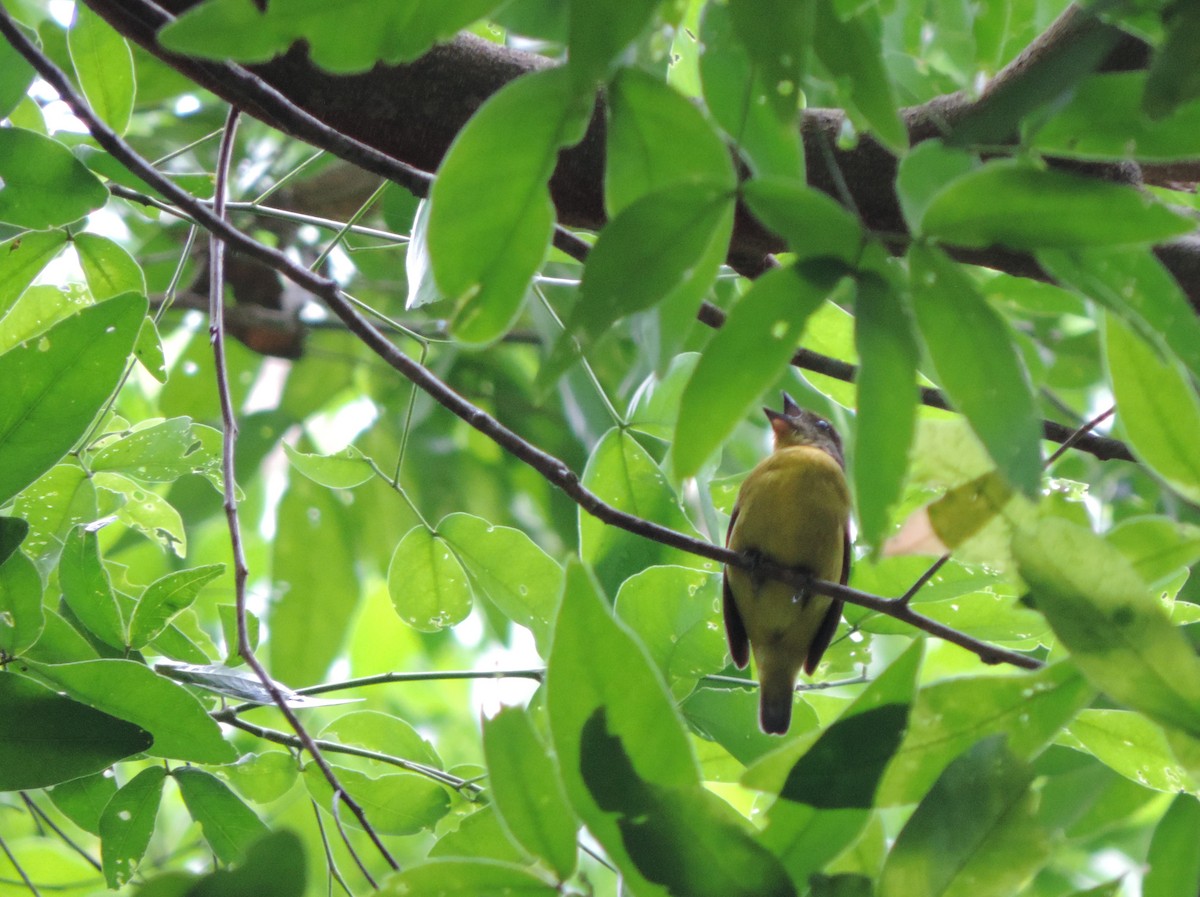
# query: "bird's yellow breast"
{"type": "Point", "coordinates": [793, 508]}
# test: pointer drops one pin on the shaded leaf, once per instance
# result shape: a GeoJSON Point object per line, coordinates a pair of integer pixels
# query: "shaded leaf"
{"type": "Point", "coordinates": [974, 834]}
{"type": "Point", "coordinates": [181, 728]}
{"type": "Point", "coordinates": [50, 738]}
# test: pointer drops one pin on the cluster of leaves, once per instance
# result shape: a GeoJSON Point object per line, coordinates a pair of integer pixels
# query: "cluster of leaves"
{"type": "Point", "coordinates": [397, 551]}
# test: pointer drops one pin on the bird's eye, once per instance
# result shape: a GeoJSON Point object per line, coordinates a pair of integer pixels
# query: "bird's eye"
{"type": "Point", "coordinates": [823, 424]}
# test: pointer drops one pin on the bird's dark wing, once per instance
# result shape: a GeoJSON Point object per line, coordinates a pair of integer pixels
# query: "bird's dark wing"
{"type": "Point", "coordinates": [829, 623]}
{"type": "Point", "coordinates": [735, 629]}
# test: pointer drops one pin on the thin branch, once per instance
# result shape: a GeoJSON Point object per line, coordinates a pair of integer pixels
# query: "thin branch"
{"type": "Point", "coordinates": [33, 889]}
{"type": "Point", "coordinates": [332, 747]}
{"type": "Point", "coordinates": [216, 327]}
{"type": "Point", "coordinates": [554, 470]}
{"type": "Point", "coordinates": [1102, 447]}
{"type": "Point", "coordinates": [62, 836]}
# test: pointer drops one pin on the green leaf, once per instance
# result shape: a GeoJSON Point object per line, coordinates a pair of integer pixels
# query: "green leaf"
{"type": "Point", "coordinates": [274, 867]}
{"type": "Point", "coordinates": [109, 269]}
{"type": "Point", "coordinates": [480, 836]}
{"type": "Point", "coordinates": [675, 611]}
{"type": "Point", "coordinates": [807, 839]}
{"type": "Point", "coordinates": [595, 662]}
{"type": "Point", "coordinates": [127, 824]}
{"type": "Point", "coordinates": [467, 878]}
{"type": "Point", "coordinates": [1013, 204]}
{"type": "Point", "coordinates": [41, 184]}
{"type": "Point", "coordinates": [262, 777]}
{"type": "Point", "coordinates": [841, 766]}
{"type": "Point", "coordinates": [401, 803]}
{"type": "Point", "coordinates": [1172, 78]}
{"type": "Point", "coordinates": [598, 30]}
{"type": "Point", "coordinates": [1045, 80]}
{"type": "Point", "coordinates": [657, 138]}
{"type": "Point", "coordinates": [146, 512]}
{"type": "Point", "coordinates": [428, 585]}
{"type": "Point", "coordinates": [1158, 407]}
{"type": "Point", "coordinates": [307, 627]}
{"type": "Point", "coordinates": [83, 800]}
{"type": "Point", "coordinates": [342, 470]}
{"type": "Point", "coordinates": [527, 790]}
{"type": "Point", "coordinates": [1114, 628]}
{"type": "Point", "coordinates": [15, 77]}
{"type": "Point", "coordinates": [22, 259]}
{"type": "Point", "coordinates": [166, 598]}
{"type": "Point", "coordinates": [346, 38]}
{"type": "Point", "coordinates": [744, 358]}
{"type": "Point", "coordinates": [658, 246]}
{"type": "Point", "coordinates": [976, 832]}
{"type": "Point", "coordinates": [813, 224]}
{"type": "Point", "coordinates": [1134, 746]}
{"type": "Point", "coordinates": [852, 53]}
{"type": "Point", "coordinates": [52, 739]}
{"type": "Point", "coordinates": [924, 171]}
{"type": "Point", "coordinates": [57, 383]}
{"type": "Point", "coordinates": [744, 101]}
{"type": "Point", "coordinates": [181, 728]}
{"type": "Point", "coordinates": [385, 734]}
{"type": "Point", "coordinates": [1103, 119]}
{"type": "Point", "coordinates": [621, 473]}
{"type": "Point", "coordinates": [227, 824]}
{"type": "Point", "coordinates": [777, 36]}
{"type": "Point", "coordinates": [949, 716]}
{"type": "Point", "coordinates": [161, 451]}
{"type": "Point", "coordinates": [887, 403]}
{"type": "Point", "coordinates": [1132, 283]}
{"type": "Point", "coordinates": [86, 589]}
{"type": "Point", "coordinates": [508, 568]}
{"type": "Point", "coordinates": [21, 617]}
{"type": "Point", "coordinates": [13, 531]}
{"type": "Point", "coordinates": [726, 716]}
{"type": "Point", "coordinates": [104, 67]}
{"type": "Point", "coordinates": [484, 254]}
{"type": "Point", "coordinates": [672, 832]}
{"type": "Point", "coordinates": [1158, 547]}
{"type": "Point", "coordinates": [1173, 859]}
{"type": "Point", "coordinates": [988, 383]}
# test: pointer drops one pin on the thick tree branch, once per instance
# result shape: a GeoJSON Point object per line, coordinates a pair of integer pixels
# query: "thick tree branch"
{"type": "Point", "coordinates": [554, 470]}
{"type": "Point", "coordinates": [411, 113]}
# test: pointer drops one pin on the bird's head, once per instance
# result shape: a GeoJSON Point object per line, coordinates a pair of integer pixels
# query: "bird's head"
{"type": "Point", "coordinates": [799, 426]}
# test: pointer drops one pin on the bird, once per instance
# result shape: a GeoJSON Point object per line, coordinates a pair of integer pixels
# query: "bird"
{"type": "Point", "coordinates": [793, 509]}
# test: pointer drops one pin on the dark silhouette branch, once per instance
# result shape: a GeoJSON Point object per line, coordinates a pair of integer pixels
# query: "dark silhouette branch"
{"type": "Point", "coordinates": [412, 113]}
{"type": "Point", "coordinates": [554, 470]}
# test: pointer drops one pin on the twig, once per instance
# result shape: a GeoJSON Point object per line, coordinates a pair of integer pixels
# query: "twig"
{"type": "Point", "coordinates": [21, 872]}
{"type": "Point", "coordinates": [1102, 447]}
{"type": "Point", "coordinates": [283, 738]}
{"type": "Point", "coordinates": [554, 470]}
{"type": "Point", "coordinates": [63, 836]}
{"type": "Point", "coordinates": [216, 327]}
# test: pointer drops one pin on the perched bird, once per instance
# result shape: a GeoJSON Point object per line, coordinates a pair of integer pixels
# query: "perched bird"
{"type": "Point", "coordinates": [793, 509]}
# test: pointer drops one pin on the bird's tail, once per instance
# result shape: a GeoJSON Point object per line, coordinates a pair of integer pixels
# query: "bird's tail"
{"type": "Point", "coordinates": [775, 693]}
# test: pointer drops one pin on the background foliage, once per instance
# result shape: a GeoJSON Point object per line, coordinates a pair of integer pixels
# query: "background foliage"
{"type": "Point", "coordinates": [425, 574]}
